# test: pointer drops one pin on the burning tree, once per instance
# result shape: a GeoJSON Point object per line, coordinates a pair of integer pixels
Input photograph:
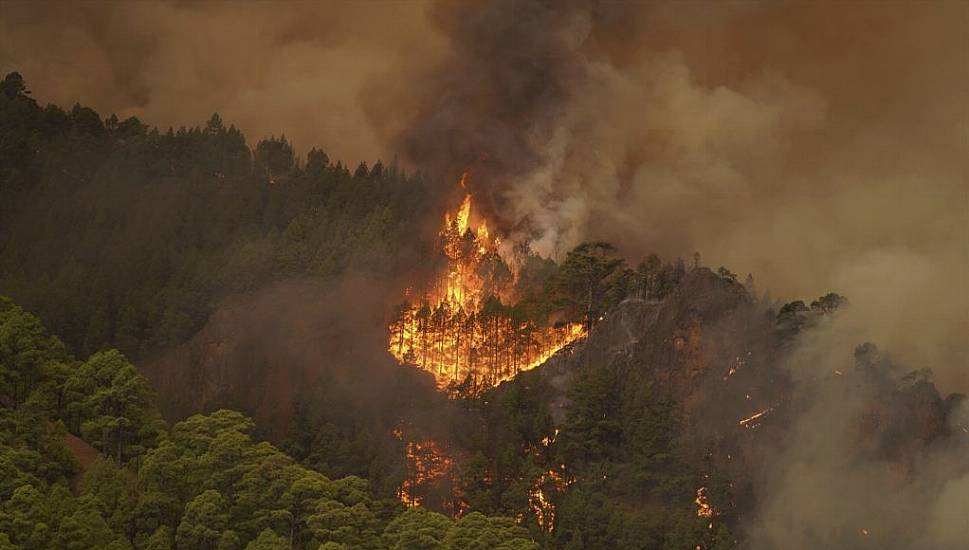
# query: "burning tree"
{"type": "Point", "coordinates": [461, 327]}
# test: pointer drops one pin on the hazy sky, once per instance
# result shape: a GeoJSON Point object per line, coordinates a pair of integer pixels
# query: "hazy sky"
{"type": "Point", "coordinates": [820, 146]}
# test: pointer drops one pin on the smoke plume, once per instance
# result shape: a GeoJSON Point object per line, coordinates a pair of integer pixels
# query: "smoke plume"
{"type": "Point", "coordinates": [873, 458]}
{"type": "Point", "coordinates": [267, 68]}
{"type": "Point", "coordinates": [818, 147]}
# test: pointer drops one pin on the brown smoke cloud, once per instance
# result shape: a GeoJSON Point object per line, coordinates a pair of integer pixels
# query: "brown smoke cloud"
{"type": "Point", "coordinates": [820, 146]}
{"type": "Point", "coordinates": [858, 467]}
{"type": "Point", "coordinates": [267, 67]}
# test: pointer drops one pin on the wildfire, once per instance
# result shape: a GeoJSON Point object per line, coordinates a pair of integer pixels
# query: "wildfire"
{"type": "Point", "coordinates": [703, 508]}
{"type": "Point", "coordinates": [458, 329]}
{"type": "Point", "coordinates": [738, 363]}
{"type": "Point", "coordinates": [538, 501]}
{"type": "Point", "coordinates": [426, 463]}
{"type": "Point", "coordinates": [753, 420]}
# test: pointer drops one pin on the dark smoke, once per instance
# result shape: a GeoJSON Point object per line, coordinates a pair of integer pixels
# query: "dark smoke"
{"type": "Point", "coordinates": [821, 146]}
{"type": "Point", "coordinates": [267, 68]}
{"type": "Point", "coordinates": [816, 146]}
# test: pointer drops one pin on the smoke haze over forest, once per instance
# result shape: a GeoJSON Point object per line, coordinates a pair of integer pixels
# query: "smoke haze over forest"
{"type": "Point", "coordinates": [818, 146]}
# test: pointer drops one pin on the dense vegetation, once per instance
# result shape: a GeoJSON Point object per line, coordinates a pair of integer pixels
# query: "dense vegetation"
{"type": "Point", "coordinates": [120, 235]}
{"type": "Point", "coordinates": [617, 449]}
{"type": "Point", "coordinates": [123, 236]}
{"type": "Point", "coordinates": [203, 484]}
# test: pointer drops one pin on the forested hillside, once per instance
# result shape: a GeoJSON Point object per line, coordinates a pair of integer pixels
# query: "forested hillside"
{"type": "Point", "coordinates": [203, 483]}
{"type": "Point", "coordinates": [220, 376]}
{"type": "Point", "coordinates": [120, 235]}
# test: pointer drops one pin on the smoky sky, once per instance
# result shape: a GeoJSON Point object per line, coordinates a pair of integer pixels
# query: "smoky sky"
{"type": "Point", "coordinates": [819, 146]}
{"type": "Point", "coordinates": [269, 68]}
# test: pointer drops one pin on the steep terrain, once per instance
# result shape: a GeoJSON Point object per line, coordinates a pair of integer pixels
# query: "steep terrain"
{"type": "Point", "coordinates": [724, 365]}
{"type": "Point", "coordinates": [744, 407]}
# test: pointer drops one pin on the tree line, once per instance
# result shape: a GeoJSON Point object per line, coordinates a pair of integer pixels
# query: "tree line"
{"type": "Point", "coordinates": [202, 484]}
{"type": "Point", "coordinates": [123, 236]}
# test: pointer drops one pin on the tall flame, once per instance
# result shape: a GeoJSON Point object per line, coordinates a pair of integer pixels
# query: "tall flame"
{"type": "Point", "coordinates": [458, 328]}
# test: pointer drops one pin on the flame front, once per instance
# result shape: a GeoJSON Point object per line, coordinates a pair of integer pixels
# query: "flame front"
{"type": "Point", "coordinates": [459, 329]}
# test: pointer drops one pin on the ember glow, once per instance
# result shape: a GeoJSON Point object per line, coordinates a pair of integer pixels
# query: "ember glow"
{"type": "Point", "coordinates": [458, 328]}
{"type": "Point", "coordinates": [754, 420]}
{"type": "Point", "coordinates": [703, 508]}
{"type": "Point", "coordinates": [426, 464]}
{"type": "Point", "coordinates": [737, 364]}
{"type": "Point", "coordinates": [539, 502]}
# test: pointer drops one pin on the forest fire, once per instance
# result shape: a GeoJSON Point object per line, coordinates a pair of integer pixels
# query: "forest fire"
{"type": "Point", "coordinates": [426, 464]}
{"type": "Point", "coordinates": [703, 508]}
{"type": "Point", "coordinates": [754, 420]}
{"type": "Point", "coordinates": [539, 502]}
{"type": "Point", "coordinates": [458, 327]}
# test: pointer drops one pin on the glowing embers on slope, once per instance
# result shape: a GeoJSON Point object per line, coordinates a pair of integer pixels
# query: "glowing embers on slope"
{"type": "Point", "coordinates": [538, 498]}
{"type": "Point", "coordinates": [427, 463]}
{"type": "Point", "coordinates": [755, 419]}
{"type": "Point", "coordinates": [703, 508]}
{"type": "Point", "coordinates": [458, 328]}
{"type": "Point", "coordinates": [542, 494]}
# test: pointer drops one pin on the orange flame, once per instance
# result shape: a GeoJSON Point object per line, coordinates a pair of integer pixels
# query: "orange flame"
{"type": "Point", "coordinates": [426, 463]}
{"type": "Point", "coordinates": [539, 502]}
{"type": "Point", "coordinates": [457, 329]}
{"type": "Point", "coordinates": [703, 508]}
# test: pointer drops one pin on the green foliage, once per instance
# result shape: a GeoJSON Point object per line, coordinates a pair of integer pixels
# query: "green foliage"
{"type": "Point", "coordinates": [478, 532]}
{"type": "Point", "coordinates": [795, 316]}
{"type": "Point", "coordinates": [583, 279]}
{"type": "Point", "coordinates": [162, 539]}
{"type": "Point", "coordinates": [419, 529]}
{"type": "Point", "coordinates": [28, 354]}
{"type": "Point", "coordinates": [86, 529]}
{"type": "Point", "coordinates": [268, 540]}
{"type": "Point", "coordinates": [655, 280]}
{"type": "Point", "coordinates": [204, 484]}
{"type": "Point", "coordinates": [204, 523]}
{"type": "Point", "coordinates": [829, 302]}
{"type": "Point", "coordinates": [27, 519]}
{"type": "Point", "coordinates": [122, 236]}
{"type": "Point", "coordinates": [274, 157]}
{"type": "Point", "coordinates": [624, 480]}
{"type": "Point", "coordinates": [115, 489]}
{"type": "Point", "coordinates": [416, 529]}
{"type": "Point", "coordinates": [165, 224]}
{"type": "Point", "coordinates": [593, 431]}
{"type": "Point", "coordinates": [111, 404]}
